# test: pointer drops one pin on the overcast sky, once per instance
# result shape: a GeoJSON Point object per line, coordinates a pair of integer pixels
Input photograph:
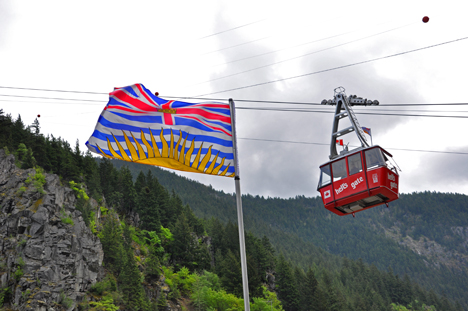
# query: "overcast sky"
{"type": "Point", "coordinates": [210, 48]}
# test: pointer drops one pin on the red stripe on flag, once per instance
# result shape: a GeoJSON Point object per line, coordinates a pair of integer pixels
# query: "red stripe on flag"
{"type": "Point", "coordinates": [144, 94]}
{"type": "Point", "coordinates": [167, 116]}
{"type": "Point", "coordinates": [124, 109]}
{"type": "Point", "coordinates": [204, 114]}
{"type": "Point", "coordinates": [124, 97]}
{"type": "Point", "coordinates": [167, 105]}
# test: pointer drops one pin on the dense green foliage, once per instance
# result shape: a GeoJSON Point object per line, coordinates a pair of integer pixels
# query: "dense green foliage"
{"type": "Point", "coordinates": [305, 231]}
{"type": "Point", "coordinates": [303, 247]}
{"type": "Point", "coordinates": [52, 154]}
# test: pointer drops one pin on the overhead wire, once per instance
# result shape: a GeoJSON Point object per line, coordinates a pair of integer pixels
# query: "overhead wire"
{"type": "Point", "coordinates": [283, 49]}
{"type": "Point", "coordinates": [336, 68]}
{"type": "Point", "coordinates": [367, 113]}
{"type": "Point", "coordinates": [295, 46]}
{"type": "Point", "coordinates": [308, 103]}
{"type": "Point", "coordinates": [234, 46]}
{"type": "Point", "coordinates": [305, 142]}
{"type": "Point", "coordinates": [308, 143]}
{"type": "Point", "coordinates": [80, 102]}
{"type": "Point", "coordinates": [283, 109]}
{"type": "Point", "coordinates": [358, 108]}
{"type": "Point", "coordinates": [324, 144]}
{"type": "Point", "coordinates": [49, 90]}
{"type": "Point", "coordinates": [277, 102]}
{"type": "Point", "coordinates": [231, 29]}
{"type": "Point", "coordinates": [54, 98]}
{"type": "Point", "coordinates": [295, 142]}
{"type": "Point", "coordinates": [303, 55]}
{"type": "Point", "coordinates": [53, 103]}
{"type": "Point", "coordinates": [273, 109]}
{"type": "Point", "coordinates": [269, 140]}
{"type": "Point", "coordinates": [220, 99]}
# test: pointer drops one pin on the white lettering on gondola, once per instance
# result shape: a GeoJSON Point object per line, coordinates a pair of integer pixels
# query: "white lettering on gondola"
{"type": "Point", "coordinates": [357, 182]}
{"type": "Point", "coordinates": [327, 194]}
{"type": "Point", "coordinates": [391, 177]}
{"type": "Point", "coordinates": [393, 185]}
{"type": "Point", "coordinates": [342, 187]}
{"type": "Point", "coordinates": [375, 178]}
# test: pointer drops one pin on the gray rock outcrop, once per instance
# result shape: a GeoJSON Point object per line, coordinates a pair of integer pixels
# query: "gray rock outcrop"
{"type": "Point", "coordinates": [49, 258]}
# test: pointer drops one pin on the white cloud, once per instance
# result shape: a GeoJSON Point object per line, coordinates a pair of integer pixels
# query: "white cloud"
{"type": "Point", "coordinates": [95, 46]}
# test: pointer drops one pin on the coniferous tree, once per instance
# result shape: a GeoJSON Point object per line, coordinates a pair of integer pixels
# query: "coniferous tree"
{"type": "Point", "coordinates": [39, 146]}
{"type": "Point", "coordinates": [406, 290]}
{"type": "Point", "coordinates": [269, 252]}
{"type": "Point", "coordinates": [5, 130]}
{"type": "Point", "coordinates": [28, 161]}
{"type": "Point", "coordinates": [18, 132]}
{"type": "Point", "coordinates": [77, 154]}
{"type": "Point", "coordinates": [255, 277]}
{"type": "Point", "coordinates": [311, 297]}
{"type": "Point", "coordinates": [194, 222]}
{"type": "Point", "coordinates": [148, 210]}
{"type": "Point", "coordinates": [140, 182]}
{"type": "Point", "coordinates": [68, 167]}
{"type": "Point", "coordinates": [161, 200]}
{"type": "Point", "coordinates": [108, 177]}
{"type": "Point", "coordinates": [360, 304]}
{"type": "Point", "coordinates": [218, 259]}
{"type": "Point", "coordinates": [216, 231]}
{"type": "Point", "coordinates": [231, 274]}
{"type": "Point", "coordinates": [53, 154]}
{"type": "Point", "coordinates": [391, 283]}
{"type": "Point", "coordinates": [92, 179]}
{"type": "Point", "coordinates": [130, 277]}
{"type": "Point", "coordinates": [286, 287]}
{"type": "Point", "coordinates": [231, 238]}
{"type": "Point", "coordinates": [111, 239]}
{"type": "Point", "coordinates": [300, 279]}
{"type": "Point", "coordinates": [176, 207]}
{"type": "Point", "coordinates": [21, 152]}
{"type": "Point", "coordinates": [436, 300]}
{"type": "Point", "coordinates": [153, 265]}
{"type": "Point", "coordinates": [127, 189]}
{"type": "Point", "coordinates": [184, 248]}
{"type": "Point", "coordinates": [203, 257]}
{"type": "Point", "coordinates": [109, 183]}
{"type": "Point", "coordinates": [332, 302]}
{"type": "Point", "coordinates": [419, 293]}
{"type": "Point", "coordinates": [162, 302]}
{"type": "Point", "coordinates": [36, 128]}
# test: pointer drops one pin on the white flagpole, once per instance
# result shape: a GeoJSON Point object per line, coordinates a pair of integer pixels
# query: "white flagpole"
{"type": "Point", "coordinates": [240, 217]}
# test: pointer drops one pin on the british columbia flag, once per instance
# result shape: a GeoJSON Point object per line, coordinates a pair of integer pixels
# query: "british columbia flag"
{"type": "Point", "coordinates": [138, 126]}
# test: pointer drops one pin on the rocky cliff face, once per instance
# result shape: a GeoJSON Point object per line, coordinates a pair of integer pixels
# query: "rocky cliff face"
{"type": "Point", "coordinates": [435, 253]}
{"type": "Point", "coordinates": [48, 256]}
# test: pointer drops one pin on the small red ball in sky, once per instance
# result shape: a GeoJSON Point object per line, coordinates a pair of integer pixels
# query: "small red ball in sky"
{"type": "Point", "coordinates": [425, 19]}
{"type": "Point", "coordinates": [38, 115]}
{"type": "Point", "coordinates": [157, 93]}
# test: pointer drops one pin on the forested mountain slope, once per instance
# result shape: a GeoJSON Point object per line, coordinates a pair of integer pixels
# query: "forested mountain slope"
{"type": "Point", "coordinates": [307, 265]}
{"type": "Point", "coordinates": [422, 234]}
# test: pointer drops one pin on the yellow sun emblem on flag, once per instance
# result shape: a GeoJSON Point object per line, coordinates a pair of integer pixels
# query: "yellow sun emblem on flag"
{"type": "Point", "coordinates": [168, 156]}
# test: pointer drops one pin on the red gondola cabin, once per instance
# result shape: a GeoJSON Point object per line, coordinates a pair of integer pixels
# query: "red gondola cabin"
{"type": "Point", "coordinates": [358, 180]}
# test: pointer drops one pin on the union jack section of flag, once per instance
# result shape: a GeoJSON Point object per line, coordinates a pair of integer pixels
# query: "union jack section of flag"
{"type": "Point", "coordinates": [137, 126]}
